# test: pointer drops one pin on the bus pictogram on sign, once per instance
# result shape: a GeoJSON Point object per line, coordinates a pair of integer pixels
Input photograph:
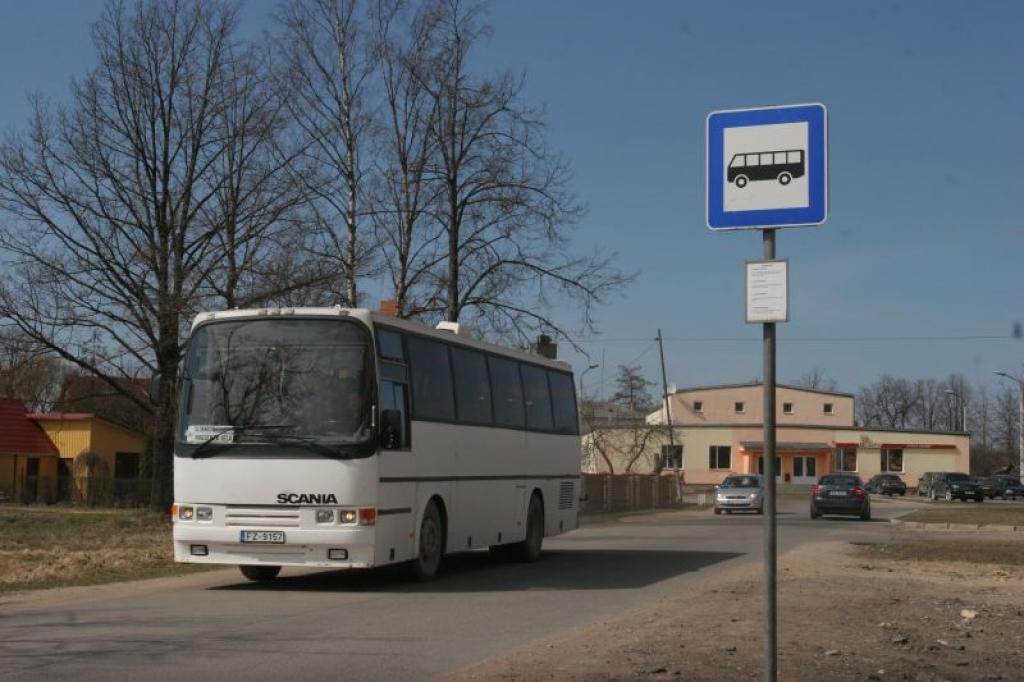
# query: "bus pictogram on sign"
{"type": "Point", "coordinates": [782, 166]}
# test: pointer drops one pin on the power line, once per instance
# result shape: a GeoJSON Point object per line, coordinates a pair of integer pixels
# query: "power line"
{"type": "Point", "coordinates": [803, 339]}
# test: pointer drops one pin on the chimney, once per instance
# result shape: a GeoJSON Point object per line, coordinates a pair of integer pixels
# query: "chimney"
{"type": "Point", "coordinates": [545, 347]}
{"type": "Point", "coordinates": [389, 307]}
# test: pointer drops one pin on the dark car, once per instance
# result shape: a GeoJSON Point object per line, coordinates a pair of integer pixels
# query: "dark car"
{"type": "Point", "coordinates": [886, 484]}
{"type": "Point", "coordinates": [1008, 487]}
{"type": "Point", "coordinates": [840, 494]}
{"type": "Point", "coordinates": [953, 485]}
{"type": "Point", "coordinates": [986, 485]}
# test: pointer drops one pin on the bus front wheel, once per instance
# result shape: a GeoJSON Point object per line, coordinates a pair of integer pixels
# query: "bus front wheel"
{"type": "Point", "coordinates": [741, 181]}
{"type": "Point", "coordinates": [431, 545]}
{"type": "Point", "coordinates": [260, 573]}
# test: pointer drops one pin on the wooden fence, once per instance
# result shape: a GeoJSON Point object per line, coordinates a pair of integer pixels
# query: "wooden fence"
{"type": "Point", "coordinates": [624, 492]}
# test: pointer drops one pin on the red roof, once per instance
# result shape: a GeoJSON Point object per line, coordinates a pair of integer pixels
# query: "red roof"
{"type": "Point", "coordinates": [19, 435]}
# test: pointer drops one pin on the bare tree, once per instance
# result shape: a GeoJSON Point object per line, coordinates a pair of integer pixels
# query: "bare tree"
{"type": "Point", "coordinates": [632, 390]}
{"type": "Point", "coordinates": [328, 66]}
{"type": "Point", "coordinates": [260, 206]}
{"type": "Point", "coordinates": [1006, 422]}
{"type": "Point", "coordinates": [28, 372]}
{"type": "Point", "coordinates": [403, 193]}
{"type": "Point", "coordinates": [931, 401]}
{"type": "Point", "coordinates": [888, 402]}
{"type": "Point", "coordinates": [504, 205]}
{"type": "Point", "coordinates": [816, 378]}
{"type": "Point", "coordinates": [109, 201]}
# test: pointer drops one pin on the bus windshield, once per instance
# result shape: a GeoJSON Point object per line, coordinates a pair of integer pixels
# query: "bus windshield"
{"type": "Point", "coordinates": [277, 380]}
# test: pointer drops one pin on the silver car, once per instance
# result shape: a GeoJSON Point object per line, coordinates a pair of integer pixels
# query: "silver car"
{"type": "Point", "coordinates": [740, 491]}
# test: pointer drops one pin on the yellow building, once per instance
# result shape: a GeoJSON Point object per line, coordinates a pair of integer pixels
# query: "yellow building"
{"type": "Point", "coordinates": [100, 461]}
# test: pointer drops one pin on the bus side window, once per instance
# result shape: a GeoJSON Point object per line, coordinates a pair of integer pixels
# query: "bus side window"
{"type": "Point", "coordinates": [433, 396]}
{"type": "Point", "coordinates": [395, 396]}
{"type": "Point", "coordinates": [538, 398]}
{"type": "Point", "coordinates": [507, 391]}
{"type": "Point", "coordinates": [563, 399]}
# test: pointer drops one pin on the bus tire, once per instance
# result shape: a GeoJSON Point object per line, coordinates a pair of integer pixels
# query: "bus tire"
{"type": "Point", "coordinates": [430, 549]}
{"type": "Point", "coordinates": [529, 549]}
{"type": "Point", "coordinates": [741, 181]}
{"type": "Point", "coordinates": [260, 573]}
{"type": "Point", "coordinates": [785, 178]}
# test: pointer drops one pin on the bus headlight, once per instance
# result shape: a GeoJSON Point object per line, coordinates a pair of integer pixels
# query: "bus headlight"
{"type": "Point", "coordinates": [325, 516]}
{"type": "Point", "coordinates": [185, 512]}
{"type": "Point", "coordinates": [204, 513]}
{"type": "Point", "coordinates": [348, 516]}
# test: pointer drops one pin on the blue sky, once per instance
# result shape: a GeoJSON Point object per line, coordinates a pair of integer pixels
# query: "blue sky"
{"type": "Point", "coordinates": [926, 230]}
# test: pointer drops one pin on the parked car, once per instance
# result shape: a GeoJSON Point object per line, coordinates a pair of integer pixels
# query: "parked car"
{"type": "Point", "coordinates": [886, 484]}
{"type": "Point", "coordinates": [740, 491]}
{"type": "Point", "coordinates": [924, 484]}
{"type": "Point", "coordinates": [986, 485]}
{"type": "Point", "coordinates": [1008, 487]}
{"type": "Point", "coordinates": [951, 485]}
{"type": "Point", "coordinates": [840, 494]}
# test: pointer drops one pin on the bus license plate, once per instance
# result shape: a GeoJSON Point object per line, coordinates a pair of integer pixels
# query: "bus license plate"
{"type": "Point", "coordinates": [265, 537]}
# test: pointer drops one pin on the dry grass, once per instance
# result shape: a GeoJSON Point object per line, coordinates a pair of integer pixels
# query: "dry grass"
{"type": "Point", "coordinates": [57, 547]}
{"type": "Point", "coordinates": [969, 512]}
{"type": "Point", "coordinates": [1007, 551]}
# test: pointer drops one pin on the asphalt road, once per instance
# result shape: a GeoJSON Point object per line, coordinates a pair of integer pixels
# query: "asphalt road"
{"type": "Point", "coordinates": [375, 625]}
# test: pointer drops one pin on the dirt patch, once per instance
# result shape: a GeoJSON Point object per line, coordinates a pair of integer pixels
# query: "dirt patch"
{"type": "Point", "coordinates": [953, 512]}
{"type": "Point", "coordinates": [1009, 552]}
{"type": "Point", "coordinates": [845, 614]}
{"type": "Point", "coordinates": [57, 547]}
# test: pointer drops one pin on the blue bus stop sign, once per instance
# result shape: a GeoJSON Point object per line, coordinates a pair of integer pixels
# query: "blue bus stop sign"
{"type": "Point", "coordinates": [767, 167]}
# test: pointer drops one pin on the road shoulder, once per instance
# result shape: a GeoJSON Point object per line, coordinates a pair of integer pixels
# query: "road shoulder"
{"type": "Point", "coordinates": [844, 615]}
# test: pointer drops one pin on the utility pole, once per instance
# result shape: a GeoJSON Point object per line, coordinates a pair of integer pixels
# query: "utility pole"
{"type": "Point", "coordinates": [1020, 423]}
{"type": "Point", "coordinates": [668, 418]}
{"type": "Point", "coordinates": [771, 623]}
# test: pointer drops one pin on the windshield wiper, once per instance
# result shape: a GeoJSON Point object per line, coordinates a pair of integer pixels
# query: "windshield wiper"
{"type": "Point", "coordinates": [306, 443]}
{"type": "Point", "coordinates": [210, 446]}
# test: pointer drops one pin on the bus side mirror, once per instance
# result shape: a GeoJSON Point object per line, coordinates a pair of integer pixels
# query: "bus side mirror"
{"type": "Point", "coordinates": [390, 429]}
{"type": "Point", "coordinates": [155, 384]}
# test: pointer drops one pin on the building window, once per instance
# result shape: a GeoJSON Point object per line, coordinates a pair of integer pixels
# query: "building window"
{"type": "Point", "coordinates": [830, 408]}
{"type": "Point", "coordinates": [126, 465]}
{"type": "Point", "coordinates": [845, 459]}
{"type": "Point", "coordinates": [740, 408]}
{"type": "Point", "coordinates": [892, 460]}
{"type": "Point", "coordinates": [720, 457]}
{"type": "Point", "coordinates": [787, 408]}
{"type": "Point", "coordinates": [698, 405]}
{"type": "Point", "coordinates": [672, 456]}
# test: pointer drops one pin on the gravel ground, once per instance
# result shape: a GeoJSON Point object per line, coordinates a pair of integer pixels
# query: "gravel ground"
{"type": "Point", "coordinates": [846, 613]}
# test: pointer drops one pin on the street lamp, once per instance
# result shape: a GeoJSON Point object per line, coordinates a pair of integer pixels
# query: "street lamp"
{"type": "Point", "coordinates": [1020, 424]}
{"type": "Point", "coordinates": [590, 443]}
{"type": "Point", "coordinates": [583, 374]}
{"type": "Point", "coordinates": [963, 404]}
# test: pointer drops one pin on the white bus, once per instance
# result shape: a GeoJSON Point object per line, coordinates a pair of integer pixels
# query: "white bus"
{"type": "Point", "coordinates": [341, 438]}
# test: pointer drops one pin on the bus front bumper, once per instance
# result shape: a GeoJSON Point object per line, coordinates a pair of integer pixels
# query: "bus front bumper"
{"type": "Point", "coordinates": [197, 544]}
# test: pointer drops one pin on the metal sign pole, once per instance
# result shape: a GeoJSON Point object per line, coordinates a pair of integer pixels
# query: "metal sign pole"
{"type": "Point", "coordinates": [768, 457]}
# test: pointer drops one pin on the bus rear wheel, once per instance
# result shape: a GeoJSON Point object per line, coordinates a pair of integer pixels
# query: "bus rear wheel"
{"type": "Point", "coordinates": [431, 545]}
{"type": "Point", "coordinates": [529, 549]}
{"type": "Point", "coordinates": [784, 178]}
{"type": "Point", "coordinates": [260, 573]}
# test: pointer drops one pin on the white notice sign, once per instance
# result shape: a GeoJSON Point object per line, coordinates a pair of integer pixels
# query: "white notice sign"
{"type": "Point", "coordinates": [768, 291]}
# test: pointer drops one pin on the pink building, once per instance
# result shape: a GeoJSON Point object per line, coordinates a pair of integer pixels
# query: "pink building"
{"type": "Point", "coordinates": [721, 429]}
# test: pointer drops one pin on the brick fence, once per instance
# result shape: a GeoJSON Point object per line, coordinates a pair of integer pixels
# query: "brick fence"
{"type": "Point", "coordinates": [624, 492]}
